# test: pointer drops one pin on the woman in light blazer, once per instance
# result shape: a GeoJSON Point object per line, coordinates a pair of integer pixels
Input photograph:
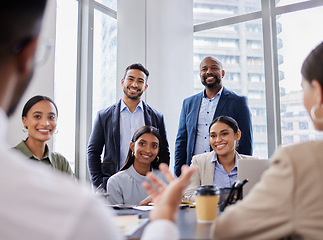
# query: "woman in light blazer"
{"type": "Point", "coordinates": [219, 166]}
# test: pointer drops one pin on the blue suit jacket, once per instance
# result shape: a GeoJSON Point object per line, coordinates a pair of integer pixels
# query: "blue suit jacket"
{"type": "Point", "coordinates": [106, 134]}
{"type": "Point", "coordinates": [230, 104]}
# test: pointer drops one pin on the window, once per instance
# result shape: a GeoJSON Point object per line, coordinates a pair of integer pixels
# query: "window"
{"type": "Point", "coordinates": [291, 97]}
{"type": "Point", "coordinates": [104, 61]}
{"type": "Point", "coordinates": [303, 125]}
{"type": "Point", "coordinates": [65, 78]}
{"type": "Point", "coordinates": [239, 76]}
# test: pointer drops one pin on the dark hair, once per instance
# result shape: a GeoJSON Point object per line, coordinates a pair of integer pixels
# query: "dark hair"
{"type": "Point", "coordinates": [20, 22]}
{"type": "Point", "coordinates": [31, 102]}
{"type": "Point", "coordinates": [312, 68]}
{"type": "Point", "coordinates": [130, 157]}
{"type": "Point", "coordinates": [137, 66]}
{"type": "Point", "coordinates": [228, 121]}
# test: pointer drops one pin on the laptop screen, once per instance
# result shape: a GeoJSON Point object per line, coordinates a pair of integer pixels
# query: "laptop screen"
{"type": "Point", "coordinates": [251, 169]}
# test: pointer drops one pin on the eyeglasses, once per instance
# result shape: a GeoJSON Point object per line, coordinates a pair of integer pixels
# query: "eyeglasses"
{"type": "Point", "coordinates": [42, 52]}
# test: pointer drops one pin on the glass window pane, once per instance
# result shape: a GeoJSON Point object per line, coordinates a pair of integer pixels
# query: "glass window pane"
{"type": "Point", "coordinates": [109, 3]}
{"type": "Point", "coordinates": [287, 2]}
{"type": "Point", "coordinates": [104, 61]}
{"type": "Point", "coordinates": [206, 11]}
{"type": "Point", "coordinates": [295, 41]}
{"type": "Point", "coordinates": [65, 78]}
{"type": "Point", "coordinates": [240, 49]}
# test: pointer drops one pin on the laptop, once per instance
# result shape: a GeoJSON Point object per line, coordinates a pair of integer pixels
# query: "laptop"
{"type": "Point", "coordinates": [251, 169]}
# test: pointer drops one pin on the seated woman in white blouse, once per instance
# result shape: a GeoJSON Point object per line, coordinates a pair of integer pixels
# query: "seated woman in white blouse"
{"type": "Point", "coordinates": [218, 167]}
{"type": "Point", "coordinates": [125, 186]}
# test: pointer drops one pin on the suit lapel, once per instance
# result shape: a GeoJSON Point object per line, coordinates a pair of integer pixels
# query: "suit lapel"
{"type": "Point", "coordinates": [196, 105]}
{"type": "Point", "coordinates": [147, 114]}
{"type": "Point", "coordinates": [115, 123]}
{"type": "Point", "coordinates": [222, 101]}
{"type": "Point", "coordinates": [209, 170]}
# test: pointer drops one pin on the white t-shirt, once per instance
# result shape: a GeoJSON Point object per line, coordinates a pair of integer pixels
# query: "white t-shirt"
{"type": "Point", "coordinates": [38, 203]}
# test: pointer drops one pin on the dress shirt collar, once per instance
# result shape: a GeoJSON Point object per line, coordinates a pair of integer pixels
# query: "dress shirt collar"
{"type": "Point", "coordinates": [218, 94]}
{"type": "Point", "coordinates": [216, 161]}
{"type": "Point", "coordinates": [124, 106]}
{"type": "Point", "coordinates": [26, 151]}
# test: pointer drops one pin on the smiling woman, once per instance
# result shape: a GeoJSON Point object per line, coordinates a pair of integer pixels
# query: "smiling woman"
{"type": "Point", "coordinates": [218, 167]}
{"type": "Point", "coordinates": [125, 186]}
{"type": "Point", "coordinates": [39, 117]}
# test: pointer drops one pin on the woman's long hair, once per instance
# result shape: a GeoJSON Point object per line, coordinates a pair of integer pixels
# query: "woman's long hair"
{"type": "Point", "coordinates": [131, 156]}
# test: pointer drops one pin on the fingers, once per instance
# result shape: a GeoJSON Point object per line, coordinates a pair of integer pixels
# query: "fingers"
{"type": "Point", "coordinates": [156, 181]}
{"type": "Point", "coordinates": [163, 167]}
{"type": "Point", "coordinates": [187, 172]}
{"type": "Point", "coordinates": [150, 190]}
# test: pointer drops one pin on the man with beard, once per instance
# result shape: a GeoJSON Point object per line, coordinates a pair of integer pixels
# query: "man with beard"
{"type": "Point", "coordinates": [115, 126]}
{"type": "Point", "coordinates": [199, 110]}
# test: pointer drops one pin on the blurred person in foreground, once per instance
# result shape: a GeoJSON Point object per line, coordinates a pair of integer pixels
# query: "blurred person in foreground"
{"type": "Point", "coordinates": [287, 202]}
{"type": "Point", "coordinates": [35, 202]}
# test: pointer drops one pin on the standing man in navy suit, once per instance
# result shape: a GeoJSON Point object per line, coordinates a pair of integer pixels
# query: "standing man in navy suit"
{"type": "Point", "coordinates": [199, 110]}
{"type": "Point", "coordinates": [114, 127]}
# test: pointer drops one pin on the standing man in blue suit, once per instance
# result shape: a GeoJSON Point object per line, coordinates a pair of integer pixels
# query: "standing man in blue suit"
{"type": "Point", "coordinates": [114, 127]}
{"type": "Point", "coordinates": [199, 110]}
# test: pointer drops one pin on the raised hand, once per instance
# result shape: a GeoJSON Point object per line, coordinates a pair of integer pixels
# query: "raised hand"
{"type": "Point", "coordinates": [167, 197]}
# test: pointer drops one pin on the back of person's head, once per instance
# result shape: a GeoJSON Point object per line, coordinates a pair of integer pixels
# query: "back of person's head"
{"type": "Point", "coordinates": [20, 22]}
{"type": "Point", "coordinates": [226, 120]}
{"type": "Point", "coordinates": [312, 68]}
{"type": "Point", "coordinates": [140, 131]}
{"type": "Point", "coordinates": [32, 101]}
{"type": "Point", "coordinates": [137, 66]}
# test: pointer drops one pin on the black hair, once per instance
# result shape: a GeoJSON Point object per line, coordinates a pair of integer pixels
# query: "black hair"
{"type": "Point", "coordinates": [130, 157]}
{"type": "Point", "coordinates": [20, 22]}
{"type": "Point", "coordinates": [312, 68]}
{"type": "Point", "coordinates": [137, 66]}
{"type": "Point", "coordinates": [32, 101]}
{"type": "Point", "coordinates": [228, 121]}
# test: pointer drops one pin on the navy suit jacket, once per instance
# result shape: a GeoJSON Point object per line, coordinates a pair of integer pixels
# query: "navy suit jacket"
{"type": "Point", "coordinates": [106, 135]}
{"type": "Point", "coordinates": [230, 104]}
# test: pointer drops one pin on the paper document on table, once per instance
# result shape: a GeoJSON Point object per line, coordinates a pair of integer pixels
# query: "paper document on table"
{"type": "Point", "coordinates": [143, 208]}
{"type": "Point", "coordinates": [129, 224]}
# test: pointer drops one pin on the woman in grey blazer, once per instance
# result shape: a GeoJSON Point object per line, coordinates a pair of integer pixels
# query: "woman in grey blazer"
{"type": "Point", "coordinates": [219, 166]}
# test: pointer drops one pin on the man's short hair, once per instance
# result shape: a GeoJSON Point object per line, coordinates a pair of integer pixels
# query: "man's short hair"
{"type": "Point", "coordinates": [20, 22]}
{"type": "Point", "coordinates": [139, 67]}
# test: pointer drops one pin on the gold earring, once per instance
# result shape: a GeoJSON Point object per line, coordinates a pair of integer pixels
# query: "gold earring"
{"type": "Point", "coordinates": [132, 154]}
{"type": "Point", "coordinates": [157, 159]}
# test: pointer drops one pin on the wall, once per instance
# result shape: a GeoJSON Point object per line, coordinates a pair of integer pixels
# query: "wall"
{"type": "Point", "coordinates": [159, 34]}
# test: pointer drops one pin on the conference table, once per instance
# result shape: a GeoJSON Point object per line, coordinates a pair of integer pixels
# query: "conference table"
{"type": "Point", "coordinates": [187, 224]}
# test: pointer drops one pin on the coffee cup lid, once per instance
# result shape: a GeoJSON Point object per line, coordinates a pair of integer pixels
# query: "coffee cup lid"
{"type": "Point", "coordinates": [207, 190]}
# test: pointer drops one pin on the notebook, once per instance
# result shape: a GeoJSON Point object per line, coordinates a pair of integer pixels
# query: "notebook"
{"type": "Point", "coordinates": [251, 169]}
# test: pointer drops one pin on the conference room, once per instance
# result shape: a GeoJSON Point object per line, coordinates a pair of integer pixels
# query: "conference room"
{"type": "Point", "coordinates": [88, 44]}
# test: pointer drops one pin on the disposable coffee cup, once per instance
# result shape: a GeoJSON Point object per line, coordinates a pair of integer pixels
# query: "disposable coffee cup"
{"type": "Point", "coordinates": [206, 199]}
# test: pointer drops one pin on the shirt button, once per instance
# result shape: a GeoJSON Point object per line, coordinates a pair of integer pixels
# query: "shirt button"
{"type": "Point", "coordinates": [205, 137]}
{"type": "Point", "coordinates": [206, 124]}
{"type": "Point", "coordinates": [207, 112]}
